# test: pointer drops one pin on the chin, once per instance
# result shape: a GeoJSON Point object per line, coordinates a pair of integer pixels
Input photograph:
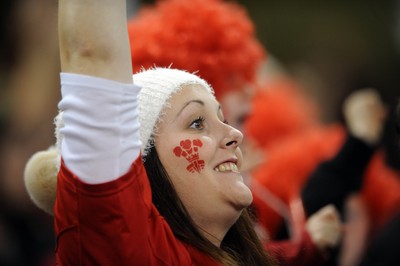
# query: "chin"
{"type": "Point", "coordinates": [244, 197]}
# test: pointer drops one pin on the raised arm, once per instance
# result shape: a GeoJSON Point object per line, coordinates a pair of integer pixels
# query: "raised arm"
{"type": "Point", "coordinates": [333, 180]}
{"type": "Point", "coordinates": [94, 40]}
{"type": "Point", "coordinates": [100, 135]}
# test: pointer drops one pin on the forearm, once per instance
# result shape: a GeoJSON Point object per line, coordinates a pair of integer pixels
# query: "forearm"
{"type": "Point", "coordinates": [94, 40]}
{"type": "Point", "coordinates": [353, 157]}
{"type": "Point", "coordinates": [333, 180]}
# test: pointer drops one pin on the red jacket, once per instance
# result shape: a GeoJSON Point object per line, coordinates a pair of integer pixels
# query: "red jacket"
{"type": "Point", "coordinates": [115, 223]}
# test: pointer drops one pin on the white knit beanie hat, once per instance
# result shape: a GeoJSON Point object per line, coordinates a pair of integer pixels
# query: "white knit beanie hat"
{"type": "Point", "coordinates": [158, 85]}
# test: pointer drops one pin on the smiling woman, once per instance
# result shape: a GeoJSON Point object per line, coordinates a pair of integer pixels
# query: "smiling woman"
{"type": "Point", "coordinates": [224, 190]}
{"type": "Point", "coordinates": [183, 201]}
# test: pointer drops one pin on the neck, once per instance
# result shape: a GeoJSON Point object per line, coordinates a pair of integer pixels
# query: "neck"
{"type": "Point", "coordinates": [214, 238]}
{"type": "Point", "coordinates": [215, 231]}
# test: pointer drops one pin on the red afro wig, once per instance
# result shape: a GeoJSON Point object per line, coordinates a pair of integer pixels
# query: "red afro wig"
{"type": "Point", "coordinates": [288, 166]}
{"type": "Point", "coordinates": [213, 38]}
{"type": "Point", "coordinates": [279, 110]}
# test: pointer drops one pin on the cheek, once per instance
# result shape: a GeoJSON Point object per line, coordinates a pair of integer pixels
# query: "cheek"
{"type": "Point", "coordinates": [189, 151]}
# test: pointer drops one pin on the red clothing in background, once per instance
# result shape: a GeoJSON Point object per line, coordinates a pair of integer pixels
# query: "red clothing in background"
{"type": "Point", "coordinates": [299, 253]}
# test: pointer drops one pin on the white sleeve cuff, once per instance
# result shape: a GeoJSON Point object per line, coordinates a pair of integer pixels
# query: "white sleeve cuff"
{"type": "Point", "coordinates": [101, 127]}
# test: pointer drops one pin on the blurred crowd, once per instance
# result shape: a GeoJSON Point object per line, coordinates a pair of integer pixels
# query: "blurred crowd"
{"type": "Point", "coordinates": [29, 81]}
{"type": "Point", "coordinates": [324, 193]}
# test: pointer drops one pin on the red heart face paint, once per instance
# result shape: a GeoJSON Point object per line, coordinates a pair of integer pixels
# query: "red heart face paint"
{"type": "Point", "coordinates": [189, 150]}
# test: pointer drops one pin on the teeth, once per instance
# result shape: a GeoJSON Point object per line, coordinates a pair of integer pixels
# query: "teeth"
{"type": "Point", "coordinates": [234, 167]}
{"type": "Point", "coordinates": [225, 167]}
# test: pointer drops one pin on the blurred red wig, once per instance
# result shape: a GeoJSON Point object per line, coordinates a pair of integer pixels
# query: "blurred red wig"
{"type": "Point", "coordinates": [381, 191]}
{"type": "Point", "coordinates": [279, 110]}
{"type": "Point", "coordinates": [289, 165]}
{"type": "Point", "coordinates": [213, 38]}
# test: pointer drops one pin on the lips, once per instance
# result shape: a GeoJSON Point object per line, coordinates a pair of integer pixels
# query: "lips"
{"type": "Point", "coordinates": [227, 167]}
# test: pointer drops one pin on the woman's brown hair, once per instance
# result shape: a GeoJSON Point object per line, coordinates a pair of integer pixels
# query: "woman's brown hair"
{"type": "Point", "coordinates": [240, 245]}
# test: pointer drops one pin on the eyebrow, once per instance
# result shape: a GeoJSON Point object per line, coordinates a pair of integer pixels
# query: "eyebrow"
{"type": "Point", "coordinates": [186, 104]}
{"type": "Point", "coordinates": [195, 101]}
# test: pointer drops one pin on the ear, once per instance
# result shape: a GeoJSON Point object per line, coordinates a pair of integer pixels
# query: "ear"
{"type": "Point", "coordinates": [40, 178]}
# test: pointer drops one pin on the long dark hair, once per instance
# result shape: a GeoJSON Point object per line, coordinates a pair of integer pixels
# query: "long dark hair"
{"type": "Point", "coordinates": [240, 246]}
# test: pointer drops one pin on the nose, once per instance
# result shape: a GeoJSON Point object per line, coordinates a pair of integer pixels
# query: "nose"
{"type": "Point", "coordinates": [233, 137]}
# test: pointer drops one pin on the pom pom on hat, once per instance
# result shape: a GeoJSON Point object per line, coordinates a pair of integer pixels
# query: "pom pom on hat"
{"type": "Point", "coordinates": [40, 178]}
{"type": "Point", "coordinates": [158, 85]}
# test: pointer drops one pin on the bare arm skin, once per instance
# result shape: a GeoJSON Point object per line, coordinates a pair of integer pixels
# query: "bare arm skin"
{"type": "Point", "coordinates": [94, 40]}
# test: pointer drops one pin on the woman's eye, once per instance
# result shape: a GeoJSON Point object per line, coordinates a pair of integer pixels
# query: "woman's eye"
{"type": "Point", "coordinates": [198, 123]}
